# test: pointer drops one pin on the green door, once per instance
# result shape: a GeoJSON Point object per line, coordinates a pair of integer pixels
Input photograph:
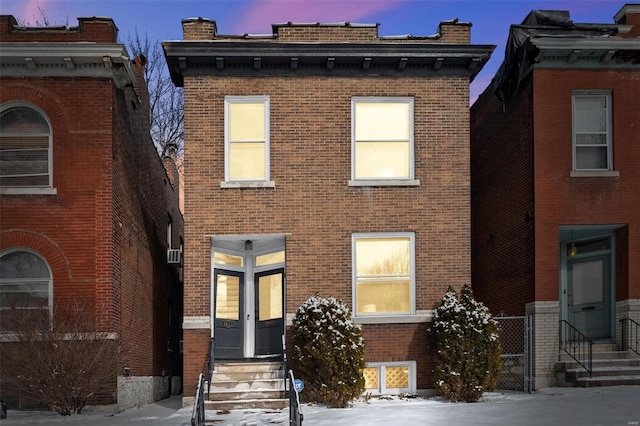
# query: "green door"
{"type": "Point", "coordinates": [589, 295]}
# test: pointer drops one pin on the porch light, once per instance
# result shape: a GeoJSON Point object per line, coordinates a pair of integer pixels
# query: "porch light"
{"type": "Point", "coordinates": [248, 245]}
{"type": "Point", "coordinates": [573, 250]}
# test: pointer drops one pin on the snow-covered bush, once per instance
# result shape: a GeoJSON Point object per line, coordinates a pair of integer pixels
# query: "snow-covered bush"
{"type": "Point", "coordinates": [328, 351]}
{"type": "Point", "coordinates": [467, 342]}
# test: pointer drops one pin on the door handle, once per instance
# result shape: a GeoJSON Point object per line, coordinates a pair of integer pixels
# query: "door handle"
{"type": "Point", "coordinates": [589, 308]}
{"type": "Point", "coordinates": [248, 317]}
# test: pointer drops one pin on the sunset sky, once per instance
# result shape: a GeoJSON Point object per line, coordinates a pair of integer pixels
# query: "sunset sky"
{"type": "Point", "coordinates": [160, 19]}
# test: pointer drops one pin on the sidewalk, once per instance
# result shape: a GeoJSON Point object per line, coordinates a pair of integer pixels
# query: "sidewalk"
{"type": "Point", "coordinates": [615, 405]}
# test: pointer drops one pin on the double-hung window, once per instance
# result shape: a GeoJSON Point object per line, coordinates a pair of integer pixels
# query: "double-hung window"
{"type": "Point", "coordinates": [382, 148]}
{"type": "Point", "coordinates": [592, 139]}
{"type": "Point", "coordinates": [247, 139]}
{"type": "Point", "coordinates": [25, 148]}
{"type": "Point", "coordinates": [383, 274]}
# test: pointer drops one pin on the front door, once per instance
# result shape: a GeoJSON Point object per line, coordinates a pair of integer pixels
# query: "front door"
{"type": "Point", "coordinates": [269, 312]}
{"type": "Point", "coordinates": [229, 314]}
{"type": "Point", "coordinates": [589, 295]}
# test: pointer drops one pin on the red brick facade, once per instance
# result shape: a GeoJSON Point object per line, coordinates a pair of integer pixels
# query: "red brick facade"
{"type": "Point", "coordinates": [312, 203]}
{"type": "Point", "coordinates": [529, 201]}
{"type": "Point", "coordinates": [103, 230]}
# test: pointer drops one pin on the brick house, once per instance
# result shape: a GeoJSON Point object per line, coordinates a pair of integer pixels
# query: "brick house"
{"type": "Point", "coordinates": [86, 201]}
{"type": "Point", "coordinates": [554, 170]}
{"type": "Point", "coordinates": [324, 159]}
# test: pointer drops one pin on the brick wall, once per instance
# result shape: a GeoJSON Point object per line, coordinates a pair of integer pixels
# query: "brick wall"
{"type": "Point", "coordinates": [95, 30]}
{"type": "Point", "coordinates": [104, 234]}
{"type": "Point", "coordinates": [452, 32]}
{"type": "Point", "coordinates": [312, 203]}
{"type": "Point", "coordinates": [144, 199]}
{"type": "Point", "coordinates": [502, 200]}
{"type": "Point", "coordinates": [68, 223]}
{"type": "Point", "coordinates": [564, 200]}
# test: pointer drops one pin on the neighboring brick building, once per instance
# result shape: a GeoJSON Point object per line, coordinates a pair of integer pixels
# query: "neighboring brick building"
{"type": "Point", "coordinates": [85, 198]}
{"type": "Point", "coordinates": [555, 194]}
{"type": "Point", "coordinates": [311, 149]}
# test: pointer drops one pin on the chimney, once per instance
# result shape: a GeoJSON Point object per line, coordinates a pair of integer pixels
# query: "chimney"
{"type": "Point", "coordinates": [169, 163]}
{"type": "Point", "coordinates": [199, 29]}
{"type": "Point", "coordinates": [629, 15]}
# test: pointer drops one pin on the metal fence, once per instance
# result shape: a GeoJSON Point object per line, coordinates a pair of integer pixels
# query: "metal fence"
{"type": "Point", "coordinates": [516, 339]}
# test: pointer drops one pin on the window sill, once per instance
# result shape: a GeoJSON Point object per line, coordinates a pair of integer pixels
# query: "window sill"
{"type": "Point", "coordinates": [385, 182]}
{"type": "Point", "coordinates": [419, 317]}
{"type": "Point", "coordinates": [249, 184]}
{"type": "Point", "coordinates": [28, 191]}
{"type": "Point", "coordinates": [594, 173]}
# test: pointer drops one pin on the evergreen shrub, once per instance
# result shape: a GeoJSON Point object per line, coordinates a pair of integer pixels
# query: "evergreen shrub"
{"type": "Point", "coordinates": [328, 351]}
{"type": "Point", "coordinates": [466, 339]}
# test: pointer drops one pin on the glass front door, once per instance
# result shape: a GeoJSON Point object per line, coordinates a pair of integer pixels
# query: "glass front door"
{"type": "Point", "coordinates": [248, 302]}
{"type": "Point", "coordinates": [269, 312]}
{"type": "Point", "coordinates": [229, 314]}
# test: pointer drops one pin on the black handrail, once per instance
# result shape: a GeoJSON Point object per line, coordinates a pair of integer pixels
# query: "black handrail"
{"type": "Point", "coordinates": [197, 415]}
{"type": "Point", "coordinates": [577, 345]}
{"type": "Point", "coordinates": [284, 362]}
{"type": "Point", "coordinates": [630, 335]}
{"type": "Point", "coordinates": [295, 412]}
{"type": "Point", "coordinates": [210, 364]}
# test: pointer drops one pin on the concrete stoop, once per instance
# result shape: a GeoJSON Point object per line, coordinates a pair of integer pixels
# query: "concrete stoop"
{"type": "Point", "coordinates": [244, 385]}
{"type": "Point", "coordinates": [610, 367]}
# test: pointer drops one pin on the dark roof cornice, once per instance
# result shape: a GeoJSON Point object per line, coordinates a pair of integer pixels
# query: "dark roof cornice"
{"type": "Point", "coordinates": [592, 52]}
{"type": "Point", "coordinates": [269, 58]}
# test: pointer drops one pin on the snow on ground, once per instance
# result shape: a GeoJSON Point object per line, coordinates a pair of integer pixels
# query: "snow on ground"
{"type": "Point", "coordinates": [616, 405]}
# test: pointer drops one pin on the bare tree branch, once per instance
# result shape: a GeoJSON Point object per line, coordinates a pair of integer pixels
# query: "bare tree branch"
{"type": "Point", "coordinates": [165, 99]}
{"type": "Point", "coordinates": [62, 362]}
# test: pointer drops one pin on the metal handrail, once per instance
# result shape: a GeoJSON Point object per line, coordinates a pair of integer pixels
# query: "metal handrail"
{"type": "Point", "coordinates": [210, 364]}
{"type": "Point", "coordinates": [577, 345]}
{"type": "Point", "coordinates": [284, 361]}
{"type": "Point", "coordinates": [630, 335]}
{"type": "Point", "coordinates": [295, 412]}
{"type": "Point", "coordinates": [197, 415]}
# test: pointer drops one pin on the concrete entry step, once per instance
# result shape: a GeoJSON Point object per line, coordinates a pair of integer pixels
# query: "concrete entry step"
{"type": "Point", "coordinates": [610, 367]}
{"type": "Point", "coordinates": [587, 382]}
{"type": "Point", "coordinates": [240, 385]}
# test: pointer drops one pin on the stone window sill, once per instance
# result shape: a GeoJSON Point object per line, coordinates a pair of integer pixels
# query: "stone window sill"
{"type": "Point", "coordinates": [249, 184]}
{"type": "Point", "coordinates": [385, 182]}
{"type": "Point", "coordinates": [28, 191]}
{"type": "Point", "coordinates": [594, 173]}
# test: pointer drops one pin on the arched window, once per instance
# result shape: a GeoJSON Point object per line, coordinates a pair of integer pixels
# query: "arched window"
{"type": "Point", "coordinates": [25, 148]}
{"type": "Point", "coordinates": [25, 287]}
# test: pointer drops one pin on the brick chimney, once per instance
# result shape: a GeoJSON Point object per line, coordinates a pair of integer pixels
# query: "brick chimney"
{"type": "Point", "coordinates": [629, 15]}
{"type": "Point", "coordinates": [93, 29]}
{"type": "Point", "coordinates": [169, 163]}
{"type": "Point", "coordinates": [199, 29]}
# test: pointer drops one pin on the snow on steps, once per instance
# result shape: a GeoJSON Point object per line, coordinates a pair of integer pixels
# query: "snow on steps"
{"type": "Point", "coordinates": [247, 385]}
{"type": "Point", "coordinates": [610, 368]}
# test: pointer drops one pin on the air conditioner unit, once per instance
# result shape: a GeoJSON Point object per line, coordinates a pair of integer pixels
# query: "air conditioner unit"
{"type": "Point", "coordinates": [174, 256]}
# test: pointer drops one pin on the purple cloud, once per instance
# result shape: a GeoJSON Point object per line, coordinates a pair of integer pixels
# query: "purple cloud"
{"type": "Point", "coordinates": [260, 14]}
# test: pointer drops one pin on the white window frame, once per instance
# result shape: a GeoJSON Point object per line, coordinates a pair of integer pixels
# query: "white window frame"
{"type": "Point", "coordinates": [576, 172]}
{"type": "Point", "coordinates": [32, 190]}
{"type": "Point", "coordinates": [243, 183]}
{"type": "Point", "coordinates": [410, 181]}
{"type": "Point", "coordinates": [382, 377]}
{"type": "Point", "coordinates": [383, 317]}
